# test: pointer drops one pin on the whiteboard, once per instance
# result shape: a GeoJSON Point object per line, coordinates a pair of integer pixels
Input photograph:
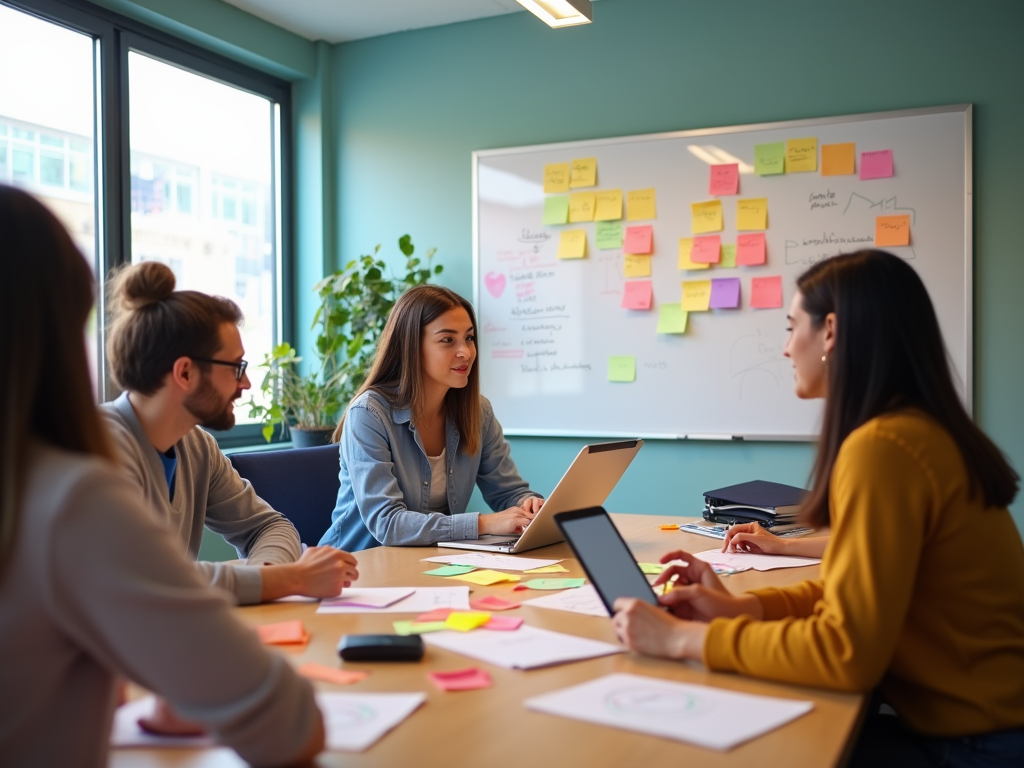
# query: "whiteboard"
{"type": "Point", "coordinates": [547, 326]}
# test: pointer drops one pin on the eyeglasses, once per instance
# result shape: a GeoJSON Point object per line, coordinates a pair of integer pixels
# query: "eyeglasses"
{"type": "Point", "coordinates": [239, 367]}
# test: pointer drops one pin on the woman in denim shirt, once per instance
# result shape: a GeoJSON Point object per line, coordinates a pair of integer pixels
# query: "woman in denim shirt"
{"type": "Point", "coordinates": [418, 435]}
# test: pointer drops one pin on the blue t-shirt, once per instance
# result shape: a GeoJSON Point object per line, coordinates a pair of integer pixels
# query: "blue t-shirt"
{"type": "Point", "coordinates": [170, 462]}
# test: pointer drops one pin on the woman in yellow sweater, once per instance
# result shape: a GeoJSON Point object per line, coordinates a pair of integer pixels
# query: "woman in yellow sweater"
{"type": "Point", "coordinates": [921, 593]}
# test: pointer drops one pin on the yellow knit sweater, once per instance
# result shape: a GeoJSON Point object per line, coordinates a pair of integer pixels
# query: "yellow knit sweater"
{"type": "Point", "coordinates": [922, 591]}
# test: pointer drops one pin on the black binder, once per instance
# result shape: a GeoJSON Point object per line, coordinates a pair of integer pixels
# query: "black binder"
{"type": "Point", "coordinates": [760, 501]}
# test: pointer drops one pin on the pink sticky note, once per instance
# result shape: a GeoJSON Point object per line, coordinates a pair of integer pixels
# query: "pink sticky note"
{"type": "Point", "coordinates": [725, 179]}
{"type": "Point", "coordinates": [639, 240]}
{"type": "Point", "coordinates": [766, 292]}
{"type": "Point", "coordinates": [283, 633]}
{"type": "Point", "coordinates": [750, 249]}
{"type": "Point", "coordinates": [438, 614]}
{"type": "Point", "coordinates": [461, 679]}
{"type": "Point", "coordinates": [637, 294]}
{"type": "Point", "coordinates": [876, 165]}
{"type": "Point", "coordinates": [492, 603]}
{"type": "Point", "coordinates": [707, 249]}
{"type": "Point", "coordinates": [725, 293]}
{"type": "Point", "coordinates": [504, 623]}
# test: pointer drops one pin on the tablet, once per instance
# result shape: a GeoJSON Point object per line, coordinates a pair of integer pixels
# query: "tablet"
{"type": "Point", "coordinates": [609, 564]}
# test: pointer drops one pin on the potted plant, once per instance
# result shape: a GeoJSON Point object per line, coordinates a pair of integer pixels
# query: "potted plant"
{"type": "Point", "coordinates": [354, 305]}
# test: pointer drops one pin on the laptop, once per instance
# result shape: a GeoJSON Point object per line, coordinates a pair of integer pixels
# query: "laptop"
{"type": "Point", "coordinates": [587, 483]}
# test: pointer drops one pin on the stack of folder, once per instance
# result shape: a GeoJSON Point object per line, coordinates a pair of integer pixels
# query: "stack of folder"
{"type": "Point", "coordinates": [760, 501]}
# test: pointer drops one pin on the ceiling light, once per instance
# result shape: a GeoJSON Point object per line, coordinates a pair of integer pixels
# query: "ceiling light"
{"type": "Point", "coordinates": [560, 13]}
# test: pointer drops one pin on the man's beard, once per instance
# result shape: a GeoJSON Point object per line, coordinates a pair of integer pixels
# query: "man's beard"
{"type": "Point", "coordinates": [209, 408]}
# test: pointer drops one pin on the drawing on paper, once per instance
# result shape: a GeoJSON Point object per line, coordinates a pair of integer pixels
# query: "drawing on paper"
{"type": "Point", "coordinates": [642, 701]}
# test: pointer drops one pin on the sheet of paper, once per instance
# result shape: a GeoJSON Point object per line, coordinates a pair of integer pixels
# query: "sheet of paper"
{"type": "Point", "coordinates": [838, 159]}
{"type": "Point", "coordinates": [801, 155]}
{"type": "Point", "coordinates": [487, 560]}
{"type": "Point", "coordinates": [752, 214]}
{"type": "Point", "coordinates": [549, 569]}
{"type": "Point", "coordinates": [770, 159]}
{"type": "Point", "coordinates": [641, 205]}
{"type": "Point", "coordinates": [639, 240]}
{"type": "Point", "coordinates": [493, 603]}
{"type": "Point", "coordinates": [556, 210]}
{"type": "Point", "coordinates": [766, 292]}
{"type": "Point", "coordinates": [527, 648]}
{"type": "Point", "coordinates": [572, 244]}
{"type": "Point", "coordinates": [355, 721]}
{"type": "Point", "coordinates": [485, 578]}
{"type": "Point", "coordinates": [326, 674]}
{"type": "Point", "coordinates": [553, 583]}
{"type": "Point", "coordinates": [471, 679]}
{"type": "Point", "coordinates": [746, 560]}
{"type": "Point", "coordinates": [556, 178]}
{"type": "Point", "coordinates": [892, 230]}
{"type": "Point", "coordinates": [696, 295]}
{"type": "Point", "coordinates": [750, 249]}
{"type": "Point", "coordinates": [423, 599]}
{"type": "Point", "coordinates": [368, 597]}
{"type": "Point", "coordinates": [621, 368]}
{"type": "Point", "coordinates": [696, 714]}
{"type": "Point", "coordinates": [707, 249]}
{"type": "Point", "coordinates": [637, 294]}
{"type": "Point", "coordinates": [583, 600]}
{"type": "Point", "coordinates": [450, 570]}
{"type": "Point", "coordinates": [126, 732]}
{"type": "Point", "coordinates": [685, 250]}
{"type": "Point", "coordinates": [725, 179]}
{"type": "Point", "coordinates": [636, 266]}
{"type": "Point", "coordinates": [725, 293]}
{"type": "Point", "coordinates": [608, 235]}
{"type": "Point", "coordinates": [728, 260]}
{"type": "Point", "coordinates": [283, 633]}
{"type": "Point", "coordinates": [609, 205]}
{"type": "Point", "coordinates": [876, 165]}
{"type": "Point", "coordinates": [581, 207]}
{"type": "Point", "coordinates": [671, 319]}
{"type": "Point", "coordinates": [706, 217]}
{"type": "Point", "coordinates": [583, 172]}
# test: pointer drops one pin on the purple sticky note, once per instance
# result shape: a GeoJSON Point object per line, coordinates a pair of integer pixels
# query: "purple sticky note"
{"type": "Point", "coordinates": [725, 293]}
{"type": "Point", "coordinates": [725, 179]}
{"type": "Point", "coordinates": [750, 249]}
{"type": "Point", "coordinates": [707, 249]}
{"type": "Point", "coordinates": [876, 165]}
{"type": "Point", "coordinates": [639, 240]}
{"type": "Point", "coordinates": [637, 294]}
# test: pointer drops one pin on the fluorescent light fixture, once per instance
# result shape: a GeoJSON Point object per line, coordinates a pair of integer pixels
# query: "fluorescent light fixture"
{"type": "Point", "coordinates": [560, 13]}
{"type": "Point", "coordinates": [713, 155]}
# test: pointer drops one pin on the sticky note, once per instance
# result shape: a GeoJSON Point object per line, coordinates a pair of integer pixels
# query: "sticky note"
{"type": "Point", "coordinates": [770, 159]}
{"type": "Point", "coordinates": [450, 570]}
{"type": "Point", "coordinates": [438, 614]}
{"type": "Point", "coordinates": [752, 213]}
{"type": "Point", "coordinates": [461, 680]}
{"type": "Point", "coordinates": [801, 155]}
{"type": "Point", "coordinates": [572, 244]}
{"type": "Point", "coordinates": [766, 292]}
{"type": "Point", "coordinates": [725, 179]}
{"type": "Point", "coordinates": [556, 178]}
{"type": "Point", "coordinates": [639, 240]}
{"type": "Point", "coordinates": [608, 235]}
{"type": "Point", "coordinates": [706, 217]}
{"type": "Point", "coordinates": [327, 674]}
{"type": "Point", "coordinates": [685, 249]}
{"type": "Point", "coordinates": [486, 577]}
{"type": "Point", "coordinates": [671, 319]}
{"type": "Point", "coordinates": [556, 210]}
{"type": "Point", "coordinates": [876, 165]}
{"type": "Point", "coordinates": [504, 623]}
{"type": "Point", "coordinates": [725, 293]}
{"type": "Point", "coordinates": [556, 568]}
{"type": "Point", "coordinates": [652, 568]}
{"type": "Point", "coordinates": [892, 230]}
{"type": "Point", "coordinates": [728, 260]}
{"type": "Point", "coordinates": [637, 294]}
{"type": "Point", "coordinates": [282, 633]}
{"type": "Point", "coordinates": [707, 249]}
{"type": "Point", "coordinates": [492, 603]}
{"type": "Point", "coordinates": [636, 266]}
{"type": "Point", "coordinates": [555, 583]}
{"type": "Point", "coordinates": [464, 621]}
{"type": "Point", "coordinates": [750, 250]}
{"type": "Point", "coordinates": [641, 205]}
{"type": "Point", "coordinates": [670, 527]}
{"type": "Point", "coordinates": [584, 172]}
{"type": "Point", "coordinates": [696, 295]}
{"type": "Point", "coordinates": [609, 205]}
{"type": "Point", "coordinates": [418, 627]}
{"type": "Point", "coordinates": [620, 368]}
{"type": "Point", "coordinates": [837, 159]}
{"type": "Point", "coordinates": [581, 207]}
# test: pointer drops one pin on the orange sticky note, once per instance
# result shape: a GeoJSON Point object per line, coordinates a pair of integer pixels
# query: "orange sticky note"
{"type": "Point", "coordinates": [331, 675]}
{"type": "Point", "coordinates": [766, 292]}
{"type": "Point", "coordinates": [282, 633]}
{"type": "Point", "coordinates": [670, 527]}
{"type": "Point", "coordinates": [892, 230]}
{"type": "Point", "coordinates": [838, 159]}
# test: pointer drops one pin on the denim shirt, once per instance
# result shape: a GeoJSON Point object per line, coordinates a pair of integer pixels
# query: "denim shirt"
{"type": "Point", "coordinates": [385, 479]}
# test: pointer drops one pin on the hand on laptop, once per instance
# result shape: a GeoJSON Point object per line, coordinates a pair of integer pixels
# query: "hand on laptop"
{"type": "Point", "coordinates": [511, 520]}
{"type": "Point", "coordinates": [532, 504]}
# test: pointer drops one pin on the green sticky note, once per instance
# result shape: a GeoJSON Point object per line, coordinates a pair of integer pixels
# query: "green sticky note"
{"type": "Point", "coordinates": [651, 568]}
{"type": "Point", "coordinates": [556, 210]}
{"type": "Point", "coordinates": [621, 368]}
{"type": "Point", "coordinates": [609, 235]}
{"type": "Point", "coordinates": [450, 570]}
{"type": "Point", "coordinates": [418, 627]}
{"type": "Point", "coordinates": [770, 159]}
{"type": "Point", "coordinates": [554, 583]}
{"type": "Point", "coordinates": [671, 319]}
{"type": "Point", "coordinates": [728, 260]}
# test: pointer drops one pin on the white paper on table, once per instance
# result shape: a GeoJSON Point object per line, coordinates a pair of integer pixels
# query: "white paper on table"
{"type": "Point", "coordinates": [127, 733]}
{"type": "Point", "coordinates": [496, 562]}
{"type": "Point", "coordinates": [526, 648]}
{"type": "Point", "coordinates": [583, 600]}
{"type": "Point", "coordinates": [355, 721]}
{"type": "Point", "coordinates": [707, 717]}
{"type": "Point", "coordinates": [421, 600]}
{"type": "Point", "coordinates": [369, 597]}
{"type": "Point", "coordinates": [747, 560]}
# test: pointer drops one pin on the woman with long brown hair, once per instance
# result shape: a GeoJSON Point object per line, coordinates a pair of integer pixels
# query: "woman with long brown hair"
{"type": "Point", "coordinates": [921, 593]}
{"type": "Point", "coordinates": [418, 435]}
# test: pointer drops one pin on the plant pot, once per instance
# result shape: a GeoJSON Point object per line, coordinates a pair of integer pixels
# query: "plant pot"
{"type": "Point", "coordinates": [310, 438]}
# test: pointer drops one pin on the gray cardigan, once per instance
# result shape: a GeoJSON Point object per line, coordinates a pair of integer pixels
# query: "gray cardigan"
{"type": "Point", "coordinates": [208, 492]}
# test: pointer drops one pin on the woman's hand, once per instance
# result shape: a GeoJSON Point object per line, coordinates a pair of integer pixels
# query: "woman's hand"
{"type": "Point", "coordinates": [511, 520]}
{"type": "Point", "coordinates": [698, 594]}
{"type": "Point", "coordinates": [754, 539]}
{"type": "Point", "coordinates": [646, 629]}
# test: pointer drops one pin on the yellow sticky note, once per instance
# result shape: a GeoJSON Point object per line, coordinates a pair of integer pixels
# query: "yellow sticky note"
{"type": "Point", "coordinates": [696, 298]}
{"type": "Point", "coordinates": [752, 214]}
{"type": "Point", "coordinates": [584, 172]}
{"type": "Point", "coordinates": [609, 205]}
{"type": "Point", "coordinates": [572, 244]}
{"type": "Point", "coordinates": [556, 178]}
{"type": "Point", "coordinates": [652, 569]}
{"type": "Point", "coordinates": [581, 207]}
{"type": "Point", "coordinates": [801, 155]}
{"type": "Point", "coordinates": [641, 205]}
{"type": "Point", "coordinates": [464, 621]}
{"type": "Point", "coordinates": [556, 568]}
{"type": "Point", "coordinates": [892, 230]}
{"type": "Point", "coordinates": [685, 247]}
{"type": "Point", "coordinates": [707, 217]}
{"type": "Point", "coordinates": [636, 266]}
{"type": "Point", "coordinates": [838, 159]}
{"type": "Point", "coordinates": [485, 577]}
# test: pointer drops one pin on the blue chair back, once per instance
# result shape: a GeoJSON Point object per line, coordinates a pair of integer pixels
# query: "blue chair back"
{"type": "Point", "coordinates": [300, 483]}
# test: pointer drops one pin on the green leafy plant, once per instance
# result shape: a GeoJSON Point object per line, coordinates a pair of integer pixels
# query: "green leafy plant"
{"type": "Point", "coordinates": [354, 305]}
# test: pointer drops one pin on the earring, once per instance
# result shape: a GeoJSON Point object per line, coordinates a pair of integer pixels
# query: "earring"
{"type": "Point", "coordinates": [824, 359]}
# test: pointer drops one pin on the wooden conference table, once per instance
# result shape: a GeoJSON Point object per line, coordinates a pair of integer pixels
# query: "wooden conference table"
{"type": "Point", "coordinates": [492, 728]}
